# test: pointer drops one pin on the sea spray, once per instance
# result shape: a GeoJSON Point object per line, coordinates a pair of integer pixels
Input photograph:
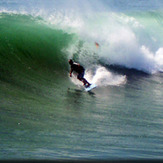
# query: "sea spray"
{"type": "Point", "coordinates": [103, 77]}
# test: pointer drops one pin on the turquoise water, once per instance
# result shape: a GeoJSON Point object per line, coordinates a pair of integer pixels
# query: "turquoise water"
{"type": "Point", "coordinates": [45, 114]}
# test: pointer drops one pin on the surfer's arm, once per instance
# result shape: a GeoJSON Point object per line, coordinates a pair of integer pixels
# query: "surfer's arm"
{"type": "Point", "coordinates": [71, 72]}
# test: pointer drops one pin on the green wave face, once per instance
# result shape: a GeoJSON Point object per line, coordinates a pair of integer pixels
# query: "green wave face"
{"type": "Point", "coordinates": [28, 45]}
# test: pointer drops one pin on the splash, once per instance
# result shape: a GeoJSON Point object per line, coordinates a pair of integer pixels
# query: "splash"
{"type": "Point", "coordinates": [103, 77]}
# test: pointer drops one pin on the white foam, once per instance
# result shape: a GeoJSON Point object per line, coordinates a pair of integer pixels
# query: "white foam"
{"type": "Point", "coordinates": [103, 77]}
{"type": "Point", "coordinates": [159, 59]}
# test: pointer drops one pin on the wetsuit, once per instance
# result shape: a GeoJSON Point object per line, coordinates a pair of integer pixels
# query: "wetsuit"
{"type": "Point", "coordinates": [79, 69]}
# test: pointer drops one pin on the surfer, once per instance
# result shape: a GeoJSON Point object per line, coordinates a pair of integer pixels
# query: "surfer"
{"type": "Point", "coordinates": [80, 70]}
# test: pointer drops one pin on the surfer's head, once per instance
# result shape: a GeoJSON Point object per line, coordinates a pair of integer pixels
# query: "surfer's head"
{"type": "Point", "coordinates": [70, 61]}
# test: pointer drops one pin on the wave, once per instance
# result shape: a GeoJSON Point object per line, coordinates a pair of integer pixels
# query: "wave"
{"type": "Point", "coordinates": [130, 39]}
{"type": "Point", "coordinates": [40, 40]}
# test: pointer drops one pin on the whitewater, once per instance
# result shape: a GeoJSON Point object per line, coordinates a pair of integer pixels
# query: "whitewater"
{"type": "Point", "coordinates": [45, 114]}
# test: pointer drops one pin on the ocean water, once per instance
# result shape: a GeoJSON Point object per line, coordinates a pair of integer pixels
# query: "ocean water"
{"type": "Point", "coordinates": [45, 114]}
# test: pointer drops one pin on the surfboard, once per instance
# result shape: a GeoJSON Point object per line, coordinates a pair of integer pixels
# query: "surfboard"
{"type": "Point", "coordinates": [90, 87]}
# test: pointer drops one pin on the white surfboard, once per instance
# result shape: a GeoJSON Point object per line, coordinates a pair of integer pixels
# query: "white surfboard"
{"type": "Point", "coordinates": [90, 87]}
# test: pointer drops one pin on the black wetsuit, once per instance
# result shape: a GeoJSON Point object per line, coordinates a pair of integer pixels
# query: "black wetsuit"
{"type": "Point", "coordinates": [79, 69]}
